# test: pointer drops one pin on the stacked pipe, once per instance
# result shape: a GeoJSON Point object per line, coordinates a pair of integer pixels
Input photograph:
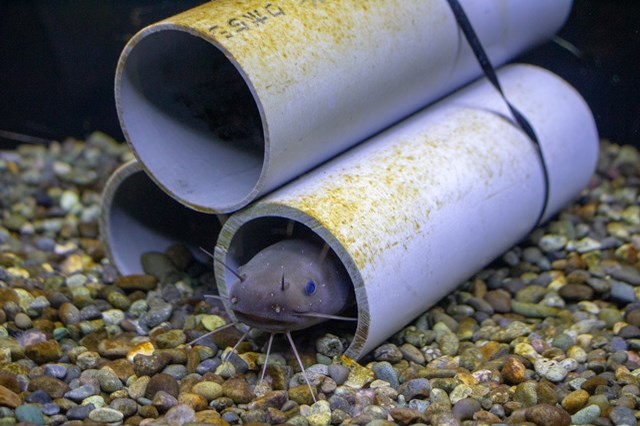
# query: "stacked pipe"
{"type": "Point", "coordinates": [224, 104]}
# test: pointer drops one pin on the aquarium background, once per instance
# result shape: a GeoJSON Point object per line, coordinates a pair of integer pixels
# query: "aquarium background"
{"type": "Point", "coordinates": [57, 63]}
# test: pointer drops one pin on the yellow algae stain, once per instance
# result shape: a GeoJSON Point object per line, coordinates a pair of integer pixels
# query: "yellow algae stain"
{"type": "Point", "coordinates": [287, 39]}
{"type": "Point", "coordinates": [380, 196]}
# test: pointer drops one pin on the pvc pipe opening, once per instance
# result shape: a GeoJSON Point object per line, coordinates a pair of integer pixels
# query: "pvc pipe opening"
{"type": "Point", "coordinates": [190, 117]}
{"type": "Point", "coordinates": [256, 234]}
{"type": "Point", "coordinates": [138, 218]}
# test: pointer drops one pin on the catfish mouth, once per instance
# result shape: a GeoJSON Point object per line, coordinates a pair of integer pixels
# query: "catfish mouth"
{"type": "Point", "coordinates": [269, 324]}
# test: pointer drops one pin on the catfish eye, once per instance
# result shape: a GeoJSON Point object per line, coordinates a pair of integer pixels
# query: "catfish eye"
{"type": "Point", "coordinates": [310, 287]}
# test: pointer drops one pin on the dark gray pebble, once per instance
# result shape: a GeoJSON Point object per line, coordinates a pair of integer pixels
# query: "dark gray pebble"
{"type": "Point", "coordinates": [622, 292]}
{"type": "Point", "coordinates": [126, 406]}
{"type": "Point", "coordinates": [89, 313]}
{"type": "Point", "coordinates": [38, 397]}
{"type": "Point", "coordinates": [238, 363]}
{"type": "Point", "coordinates": [626, 273]}
{"type": "Point", "coordinates": [329, 345]}
{"type": "Point", "coordinates": [629, 332]}
{"type": "Point", "coordinates": [338, 373]}
{"type": "Point", "coordinates": [157, 314]}
{"type": "Point", "coordinates": [177, 371]}
{"type": "Point", "coordinates": [385, 371]}
{"type": "Point", "coordinates": [465, 408]}
{"type": "Point", "coordinates": [231, 417]}
{"type": "Point", "coordinates": [618, 344]}
{"type": "Point", "coordinates": [387, 352]}
{"type": "Point", "coordinates": [480, 305]}
{"type": "Point", "coordinates": [55, 370]}
{"type": "Point", "coordinates": [415, 388]}
{"type": "Point", "coordinates": [337, 402]}
{"type": "Point", "coordinates": [82, 392]}
{"type": "Point", "coordinates": [50, 409]}
{"type": "Point", "coordinates": [208, 365]}
{"type": "Point", "coordinates": [73, 372]}
{"type": "Point", "coordinates": [80, 412]}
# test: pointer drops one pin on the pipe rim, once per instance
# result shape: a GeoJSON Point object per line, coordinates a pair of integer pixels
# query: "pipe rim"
{"type": "Point", "coordinates": [233, 227]}
{"type": "Point", "coordinates": [203, 171]}
{"type": "Point", "coordinates": [137, 218]}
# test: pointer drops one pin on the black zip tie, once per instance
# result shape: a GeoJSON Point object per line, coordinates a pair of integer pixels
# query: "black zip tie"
{"type": "Point", "coordinates": [490, 73]}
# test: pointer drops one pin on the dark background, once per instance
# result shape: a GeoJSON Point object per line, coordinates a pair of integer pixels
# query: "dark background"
{"type": "Point", "coordinates": [58, 58]}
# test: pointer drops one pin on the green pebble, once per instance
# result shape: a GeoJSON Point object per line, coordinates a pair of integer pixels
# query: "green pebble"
{"type": "Point", "coordinates": [563, 341]}
{"type": "Point", "coordinates": [170, 339]}
{"type": "Point", "coordinates": [610, 316]}
{"type": "Point", "coordinates": [531, 310]}
{"type": "Point", "coordinates": [211, 322]}
{"type": "Point", "coordinates": [112, 316]}
{"type": "Point", "coordinates": [526, 394]}
{"type": "Point", "coordinates": [91, 326]}
{"type": "Point", "coordinates": [119, 300]}
{"type": "Point", "coordinates": [30, 414]}
{"type": "Point", "coordinates": [531, 294]}
{"type": "Point", "coordinates": [22, 321]}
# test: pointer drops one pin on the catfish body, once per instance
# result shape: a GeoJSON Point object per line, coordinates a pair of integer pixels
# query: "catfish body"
{"type": "Point", "coordinates": [290, 285]}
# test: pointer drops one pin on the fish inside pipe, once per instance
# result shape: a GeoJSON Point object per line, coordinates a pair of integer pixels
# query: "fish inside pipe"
{"type": "Point", "coordinates": [291, 285]}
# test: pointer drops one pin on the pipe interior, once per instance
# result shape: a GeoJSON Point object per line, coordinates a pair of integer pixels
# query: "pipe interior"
{"type": "Point", "coordinates": [191, 119]}
{"type": "Point", "coordinates": [142, 218]}
{"type": "Point", "coordinates": [257, 234]}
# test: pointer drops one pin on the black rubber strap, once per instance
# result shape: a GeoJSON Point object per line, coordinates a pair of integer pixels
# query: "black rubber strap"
{"type": "Point", "coordinates": [490, 73]}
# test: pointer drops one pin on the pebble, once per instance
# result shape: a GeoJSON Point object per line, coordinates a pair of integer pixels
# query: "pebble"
{"type": "Point", "coordinates": [623, 292]}
{"type": "Point", "coordinates": [575, 400]}
{"type": "Point", "coordinates": [513, 370]}
{"type": "Point", "coordinates": [208, 389]}
{"type": "Point", "coordinates": [109, 381]}
{"type": "Point", "coordinates": [44, 352]}
{"type": "Point", "coordinates": [180, 414]}
{"type": "Point", "coordinates": [552, 242]}
{"type": "Point", "coordinates": [548, 415]}
{"type": "Point", "coordinates": [106, 415]}
{"type": "Point", "coordinates": [69, 314]}
{"type": "Point", "coordinates": [126, 406]}
{"type": "Point", "coordinates": [415, 388]}
{"type": "Point", "coordinates": [340, 373]}
{"type": "Point", "coordinates": [159, 311]}
{"type": "Point", "coordinates": [22, 321]}
{"type": "Point", "coordinates": [136, 282]}
{"type": "Point", "coordinates": [550, 369]}
{"type": "Point", "coordinates": [586, 415]}
{"type": "Point", "coordinates": [82, 392]}
{"type": "Point", "coordinates": [162, 382]}
{"type": "Point", "coordinates": [385, 371]}
{"type": "Point", "coordinates": [30, 413]}
{"type": "Point", "coordinates": [80, 412]}
{"type": "Point", "coordinates": [623, 416]}
{"type": "Point", "coordinates": [465, 408]}
{"type": "Point", "coordinates": [9, 398]}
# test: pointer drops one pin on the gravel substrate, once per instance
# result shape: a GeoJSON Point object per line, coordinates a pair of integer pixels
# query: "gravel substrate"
{"type": "Point", "coordinates": [548, 334]}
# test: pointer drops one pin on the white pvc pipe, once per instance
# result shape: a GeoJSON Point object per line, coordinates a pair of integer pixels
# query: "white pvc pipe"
{"type": "Point", "coordinates": [230, 100]}
{"type": "Point", "coordinates": [419, 208]}
{"type": "Point", "coordinates": [138, 217]}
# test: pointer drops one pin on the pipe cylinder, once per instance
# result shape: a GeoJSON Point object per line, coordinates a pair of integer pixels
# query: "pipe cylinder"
{"type": "Point", "coordinates": [138, 217]}
{"type": "Point", "coordinates": [420, 207]}
{"type": "Point", "coordinates": [230, 100]}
